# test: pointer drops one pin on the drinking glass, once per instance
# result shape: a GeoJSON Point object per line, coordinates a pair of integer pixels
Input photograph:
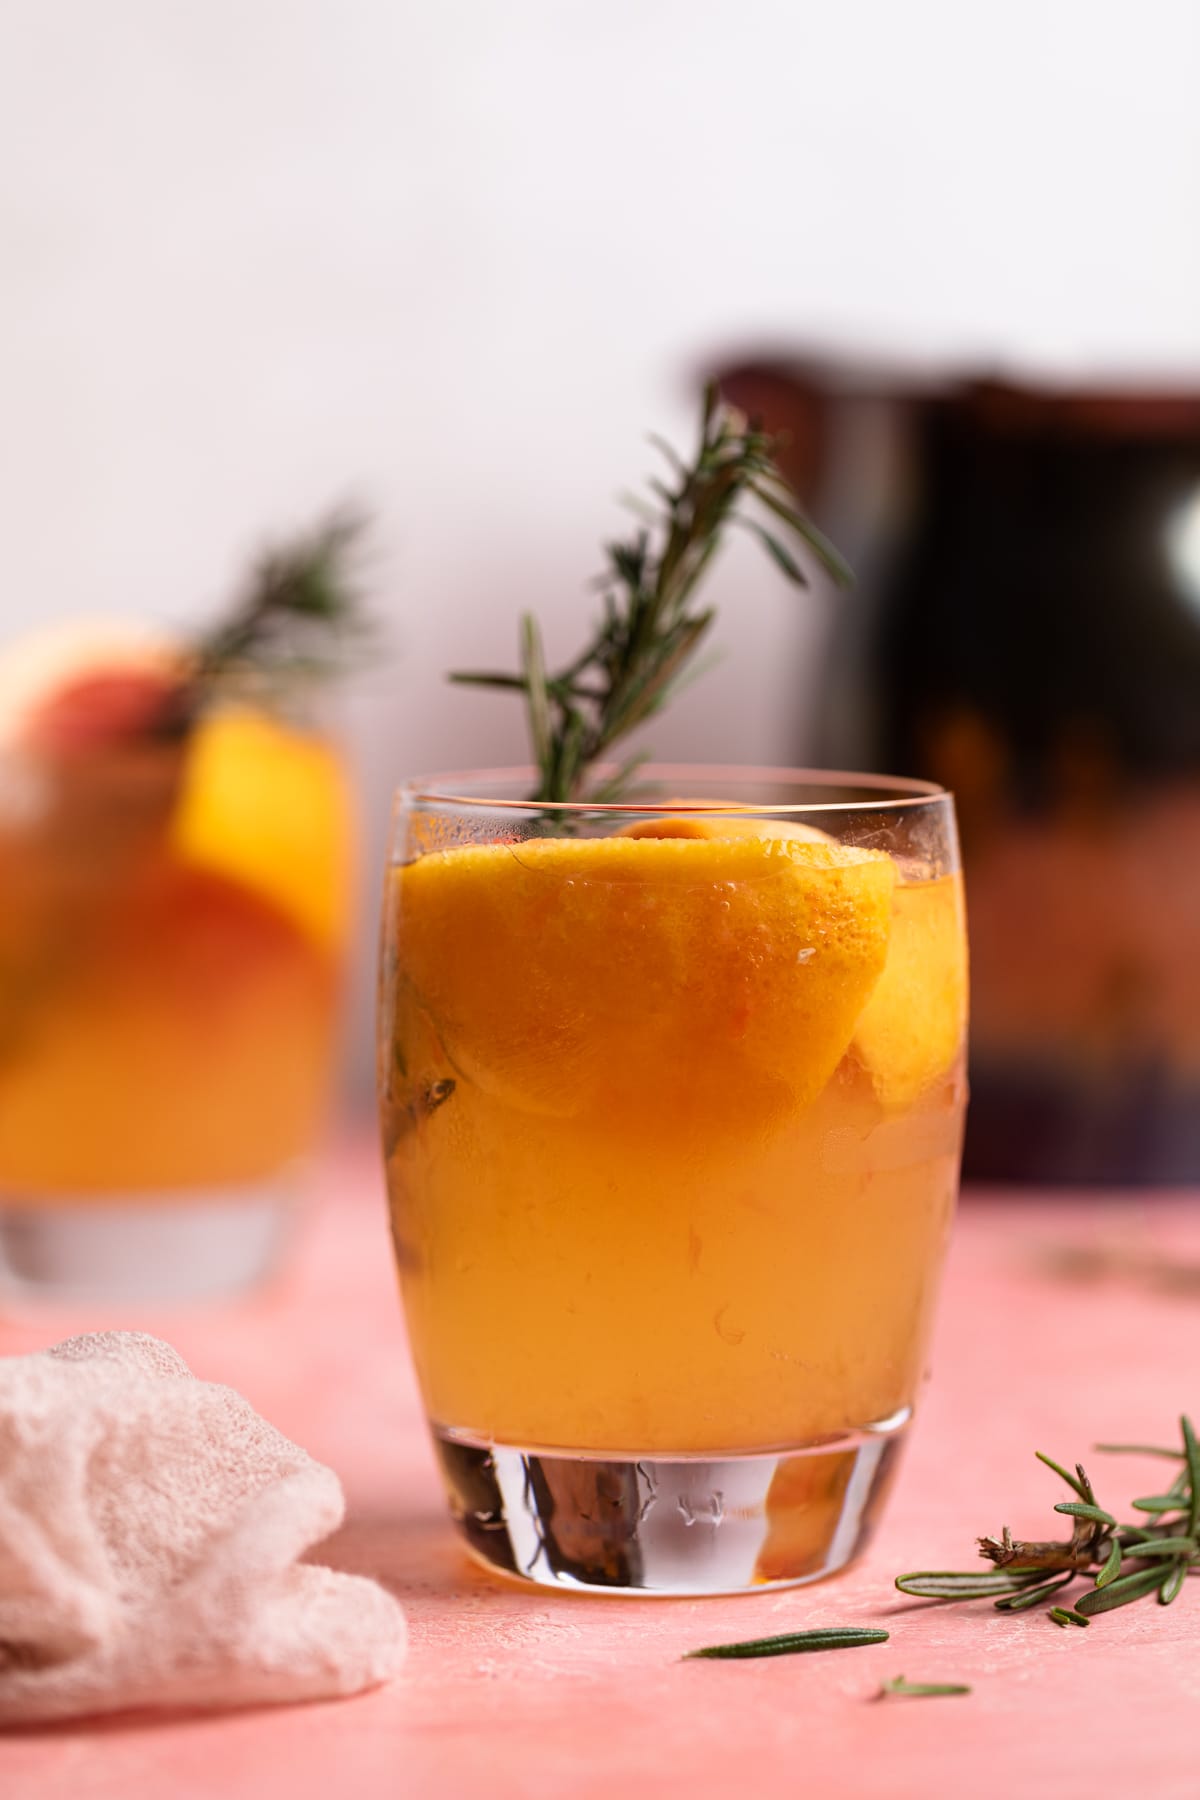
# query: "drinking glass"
{"type": "Point", "coordinates": [672, 1094]}
{"type": "Point", "coordinates": [173, 916]}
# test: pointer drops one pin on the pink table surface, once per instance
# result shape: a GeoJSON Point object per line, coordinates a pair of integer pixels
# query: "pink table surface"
{"type": "Point", "coordinates": [509, 1692]}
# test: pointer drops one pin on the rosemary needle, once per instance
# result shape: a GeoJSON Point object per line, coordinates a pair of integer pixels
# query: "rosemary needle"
{"type": "Point", "coordinates": [1172, 1584]}
{"type": "Point", "coordinates": [1137, 1450]}
{"type": "Point", "coordinates": [1192, 1453]}
{"type": "Point", "coordinates": [936, 1584]}
{"type": "Point", "coordinates": [794, 1643]}
{"type": "Point", "coordinates": [1033, 1596]}
{"type": "Point", "coordinates": [918, 1690]}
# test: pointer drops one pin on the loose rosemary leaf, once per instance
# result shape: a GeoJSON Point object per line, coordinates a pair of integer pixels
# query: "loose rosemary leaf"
{"type": "Point", "coordinates": [920, 1690]}
{"type": "Point", "coordinates": [794, 1643]}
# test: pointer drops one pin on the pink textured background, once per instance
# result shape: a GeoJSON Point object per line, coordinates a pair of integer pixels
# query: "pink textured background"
{"type": "Point", "coordinates": [513, 1693]}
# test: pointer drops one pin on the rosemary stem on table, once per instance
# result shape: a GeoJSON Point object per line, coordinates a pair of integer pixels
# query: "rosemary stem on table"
{"type": "Point", "coordinates": [1122, 1563]}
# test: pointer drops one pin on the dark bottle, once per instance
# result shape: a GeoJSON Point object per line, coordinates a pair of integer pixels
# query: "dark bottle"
{"type": "Point", "coordinates": [1027, 631]}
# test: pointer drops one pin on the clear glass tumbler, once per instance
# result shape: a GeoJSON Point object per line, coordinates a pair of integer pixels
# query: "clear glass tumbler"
{"type": "Point", "coordinates": [672, 1098]}
{"type": "Point", "coordinates": [173, 917]}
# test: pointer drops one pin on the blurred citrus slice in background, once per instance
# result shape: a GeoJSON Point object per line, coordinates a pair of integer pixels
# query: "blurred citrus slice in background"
{"type": "Point", "coordinates": [267, 806]}
{"type": "Point", "coordinates": [81, 684]}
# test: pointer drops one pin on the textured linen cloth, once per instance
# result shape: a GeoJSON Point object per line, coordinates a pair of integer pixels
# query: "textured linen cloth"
{"type": "Point", "coordinates": [150, 1526]}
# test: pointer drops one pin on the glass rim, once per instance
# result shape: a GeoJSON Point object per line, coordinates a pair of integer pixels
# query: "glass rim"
{"type": "Point", "coordinates": [894, 790]}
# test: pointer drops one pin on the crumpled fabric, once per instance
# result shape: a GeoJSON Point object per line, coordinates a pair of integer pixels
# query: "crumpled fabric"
{"type": "Point", "coordinates": [151, 1526]}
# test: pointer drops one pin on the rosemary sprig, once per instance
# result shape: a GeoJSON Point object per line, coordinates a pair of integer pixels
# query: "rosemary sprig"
{"type": "Point", "coordinates": [1125, 1562]}
{"type": "Point", "coordinates": [299, 608]}
{"type": "Point", "coordinates": [653, 621]}
{"type": "Point", "coordinates": [793, 1643]}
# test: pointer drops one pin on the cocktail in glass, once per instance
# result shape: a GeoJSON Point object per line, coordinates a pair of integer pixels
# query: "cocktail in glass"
{"type": "Point", "coordinates": [672, 1099]}
{"type": "Point", "coordinates": [173, 916]}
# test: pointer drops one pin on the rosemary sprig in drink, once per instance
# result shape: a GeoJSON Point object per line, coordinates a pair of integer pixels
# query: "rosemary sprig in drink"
{"type": "Point", "coordinates": [1125, 1562]}
{"type": "Point", "coordinates": [652, 620]}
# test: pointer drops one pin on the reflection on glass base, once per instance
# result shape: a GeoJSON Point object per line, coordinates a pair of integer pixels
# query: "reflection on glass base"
{"type": "Point", "coordinates": [671, 1525]}
{"type": "Point", "coordinates": [201, 1245]}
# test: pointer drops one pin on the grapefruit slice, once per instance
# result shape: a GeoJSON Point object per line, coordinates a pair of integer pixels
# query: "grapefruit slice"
{"type": "Point", "coordinates": [722, 825]}
{"type": "Point", "coordinates": [676, 983]}
{"type": "Point", "coordinates": [80, 685]}
{"type": "Point", "coordinates": [915, 1021]}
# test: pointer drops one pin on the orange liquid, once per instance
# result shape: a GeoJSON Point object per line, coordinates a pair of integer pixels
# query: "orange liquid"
{"type": "Point", "coordinates": [673, 1135]}
{"type": "Point", "coordinates": [167, 1004]}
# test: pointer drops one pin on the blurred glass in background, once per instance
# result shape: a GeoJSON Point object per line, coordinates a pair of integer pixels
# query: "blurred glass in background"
{"type": "Point", "coordinates": [175, 886]}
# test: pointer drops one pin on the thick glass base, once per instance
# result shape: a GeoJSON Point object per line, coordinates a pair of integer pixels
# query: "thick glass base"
{"type": "Point", "coordinates": [670, 1525]}
{"type": "Point", "coordinates": [198, 1245]}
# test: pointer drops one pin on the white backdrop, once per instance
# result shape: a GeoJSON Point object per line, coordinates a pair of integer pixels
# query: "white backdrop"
{"type": "Point", "coordinates": [455, 259]}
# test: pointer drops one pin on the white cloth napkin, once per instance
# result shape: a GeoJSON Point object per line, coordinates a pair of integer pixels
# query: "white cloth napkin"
{"type": "Point", "coordinates": [150, 1525]}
